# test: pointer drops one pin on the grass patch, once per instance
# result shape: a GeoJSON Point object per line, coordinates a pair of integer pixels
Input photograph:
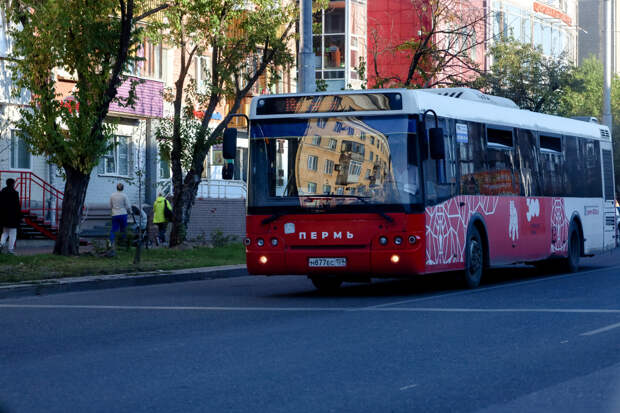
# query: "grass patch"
{"type": "Point", "coordinates": [42, 266]}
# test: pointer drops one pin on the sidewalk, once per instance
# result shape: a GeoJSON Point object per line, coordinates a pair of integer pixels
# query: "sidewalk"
{"type": "Point", "coordinates": [95, 282]}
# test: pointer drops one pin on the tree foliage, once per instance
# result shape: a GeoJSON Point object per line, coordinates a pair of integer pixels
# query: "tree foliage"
{"type": "Point", "coordinates": [243, 43]}
{"type": "Point", "coordinates": [522, 73]}
{"type": "Point", "coordinates": [441, 53]}
{"type": "Point", "coordinates": [94, 43]}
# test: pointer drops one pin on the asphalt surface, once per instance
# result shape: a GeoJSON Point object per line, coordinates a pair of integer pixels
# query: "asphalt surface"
{"type": "Point", "coordinates": [523, 342]}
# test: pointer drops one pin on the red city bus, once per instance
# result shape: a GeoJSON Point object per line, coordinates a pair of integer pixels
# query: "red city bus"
{"type": "Point", "coordinates": [394, 183]}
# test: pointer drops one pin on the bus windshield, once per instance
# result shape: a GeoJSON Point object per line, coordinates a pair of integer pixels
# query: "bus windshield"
{"type": "Point", "coordinates": [333, 163]}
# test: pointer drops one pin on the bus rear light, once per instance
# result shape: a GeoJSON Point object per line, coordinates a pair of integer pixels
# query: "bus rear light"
{"type": "Point", "coordinates": [262, 259]}
{"type": "Point", "coordinates": [395, 259]}
{"type": "Point", "coordinates": [260, 242]}
{"type": "Point", "coordinates": [274, 242]}
{"type": "Point", "coordinates": [247, 242]}
{"type": "Point", "coordinates": [383, 240]}
{"type": "Point", "coordinates": [398, 240]}
{"type": "Point", "coordinates": [412, 239]}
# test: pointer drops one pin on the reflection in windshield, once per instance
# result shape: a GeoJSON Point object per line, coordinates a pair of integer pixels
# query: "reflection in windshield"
{"type": "Point", "coordinates": [341, 160]}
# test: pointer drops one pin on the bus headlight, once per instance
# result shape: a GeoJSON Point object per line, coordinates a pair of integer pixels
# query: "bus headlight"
{"type": "Point", "coordinates": [260, 242]}
{"type": "Point", "coordinates": [412, 239]}
{"type": "Point", "coordinates": [395, 259]}
{"type": "Point", "coordinates": [274, 242]}
{"type": "Point", "coordinates": [383, 240]}
{"type": "Point", "coordinates": [262, 259]}
{"type": "Point", "coordinates": [398, 240]}
{"type": "Point", "coordinates": [247, 242]}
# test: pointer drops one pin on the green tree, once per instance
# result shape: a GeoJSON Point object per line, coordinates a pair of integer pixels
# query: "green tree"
{"type": "Point", "coordinates": [585, 98]}
{"type": "Point", "coordinates": [244, 44]}
{"type": "Point", "coordinates": [95, 42]}
{"type": "Point", "coordinates": [522, 73]}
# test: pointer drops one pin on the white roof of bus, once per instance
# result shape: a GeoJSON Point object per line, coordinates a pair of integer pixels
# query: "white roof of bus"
{"type": "Point", "coordinates": [417, 101]}
{"type": "Point", "coordinates": [446, 106]}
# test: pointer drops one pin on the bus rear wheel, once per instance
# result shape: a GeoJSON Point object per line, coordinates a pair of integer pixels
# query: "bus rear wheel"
{"type": "Point", "coordinates": [326, 284]}
{"type": "Point", "coordinates": [571, 262]}
{"type": "Point", "coordinates": [474, 259]}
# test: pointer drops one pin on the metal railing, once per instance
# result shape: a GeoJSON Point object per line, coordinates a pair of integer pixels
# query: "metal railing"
{"type": "Point", "coordinates": [37, 197]}
{"type": "Point", "coordinates": [223, 189]}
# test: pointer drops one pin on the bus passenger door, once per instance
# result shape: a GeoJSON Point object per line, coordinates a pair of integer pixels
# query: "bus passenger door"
{"type": "Point", "coordinates": [610, 226]}
{"type": "Point", "coordinates": [439, 174]}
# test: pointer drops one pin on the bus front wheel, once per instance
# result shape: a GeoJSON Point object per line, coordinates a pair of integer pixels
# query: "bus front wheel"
{"type": "Point", "coordinates": [326, 284]}
{"type": "Point", "coordinates": [474, 259]}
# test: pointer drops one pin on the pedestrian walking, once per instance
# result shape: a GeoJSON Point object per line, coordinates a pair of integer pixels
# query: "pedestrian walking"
{"type": "Point", "coordinates": [162, 214]}
{"type": "Point", "coordinates": [119, 206]}
{"type": "Point", "coordinates": [10, 215]}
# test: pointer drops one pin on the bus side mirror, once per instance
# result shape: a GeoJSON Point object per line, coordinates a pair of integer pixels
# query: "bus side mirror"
{"type": "Point", "coordinates": [437, 147]}
{"type": "Point", "coordinates": [230, 143]}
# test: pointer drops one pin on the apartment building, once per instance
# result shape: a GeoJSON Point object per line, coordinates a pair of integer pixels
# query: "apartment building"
{"type": "Point", "coordinates": [550, 24]}
{"type": "Point", "coordinates": [591, 37]}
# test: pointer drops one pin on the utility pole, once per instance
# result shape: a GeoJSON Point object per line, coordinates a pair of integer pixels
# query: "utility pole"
{"type": "Point", "coordinates": [607, 66]}
{"type": "Point", "coordinates": [306, 58]}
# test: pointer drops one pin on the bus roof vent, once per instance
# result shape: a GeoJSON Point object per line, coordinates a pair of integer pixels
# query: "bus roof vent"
{"type": "Point", "coordinates": [472, 94]}
{"type": "Point", "coordinates": [605, 134]}
{"type": "Point", "coordinates": [590, 119]}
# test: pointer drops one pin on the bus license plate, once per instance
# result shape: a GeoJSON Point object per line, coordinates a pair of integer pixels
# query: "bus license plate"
{"type": "Point", "coordinates": [327, 262]}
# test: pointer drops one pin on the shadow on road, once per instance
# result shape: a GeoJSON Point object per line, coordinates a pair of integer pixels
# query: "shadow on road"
{"type": "Point", "coordinates": [431, 284]}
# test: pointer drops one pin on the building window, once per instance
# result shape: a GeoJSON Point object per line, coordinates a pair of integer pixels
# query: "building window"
{"type": "Point", "coordinates": [313, 162]}
{"type": "Point", "coordinates": [164, 169]}
{"type": "Point", "coordinates": [329, 42]}
{"type": "Point", "coordinates": [151, 64]}
{"type": "Point", "coordinates": [311, 188]}
{"type": "Point", "coordinates": [316, 140]}
{"type": "Point", "coordinates": [332, 144]}
{"type": "Point", "coordinates": [20, 156]}
{"type": "Point", "coordinates": [327, 189]}
{"type": "Point", "coordinates": [355, 169]}
{"type": "Point", "coordinates": [203, 73]}
{"type": "Point", "coordinates": [116, 161]}
{"type": "Point", "coordinates": [321, 122]}
{"type": "Point", "coordinates": [329, 166]}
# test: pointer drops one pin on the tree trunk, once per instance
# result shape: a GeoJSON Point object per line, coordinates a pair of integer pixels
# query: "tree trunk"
{"type": "Point", "coordinates": [183, 204]}
{"type": "Point", "coordinates": [68, 240]}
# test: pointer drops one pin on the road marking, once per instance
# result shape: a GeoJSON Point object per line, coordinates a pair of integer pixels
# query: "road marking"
{"type": "Point", "coordinates": [318, 309]}
{"type": "Point", "coordinates": [411, 386]}
{"type": "Point", "coordinates": [495, 287]}
{"type": "Point", "coordinates": [600, 330]}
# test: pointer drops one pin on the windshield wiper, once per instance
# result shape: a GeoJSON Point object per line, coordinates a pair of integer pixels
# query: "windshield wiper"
{"type": "Point", "coordinates": [272, 218]}
{"type": "Point", "coordinates": [358, 197]}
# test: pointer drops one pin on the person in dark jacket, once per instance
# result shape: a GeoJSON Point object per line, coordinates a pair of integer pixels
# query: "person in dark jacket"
{"type": "Point", "coordinates": [10, 215]}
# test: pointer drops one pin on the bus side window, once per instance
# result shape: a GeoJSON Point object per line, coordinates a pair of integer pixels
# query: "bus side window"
{"type": "Point", "coordinates": [583, 177]}
{"type": "Point", "coordinates": [503, 176]}
{"type": "Point", "coordinates": [527, 158]}
{"type": "Point", "coordinates": [471, 157]}
{"type": "Point", "coordinates": [551, 161]}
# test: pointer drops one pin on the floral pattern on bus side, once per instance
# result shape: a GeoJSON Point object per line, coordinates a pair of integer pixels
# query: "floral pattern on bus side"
{"type": "Point", "coordinates": [559, 227]}
{"type": "Point", "coordinates": [446, 225]}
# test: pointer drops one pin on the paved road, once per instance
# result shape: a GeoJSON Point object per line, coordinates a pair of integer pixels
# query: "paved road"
{"type": "Point", "coordinates": [521, 343]}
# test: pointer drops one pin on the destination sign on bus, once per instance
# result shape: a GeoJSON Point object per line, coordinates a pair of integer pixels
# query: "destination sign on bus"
{"type": "Point", "coordinates": [329, 103]}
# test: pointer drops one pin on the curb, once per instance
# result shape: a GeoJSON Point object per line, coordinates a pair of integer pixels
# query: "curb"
{"type": "Point", "coordinates": [96, 282]}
